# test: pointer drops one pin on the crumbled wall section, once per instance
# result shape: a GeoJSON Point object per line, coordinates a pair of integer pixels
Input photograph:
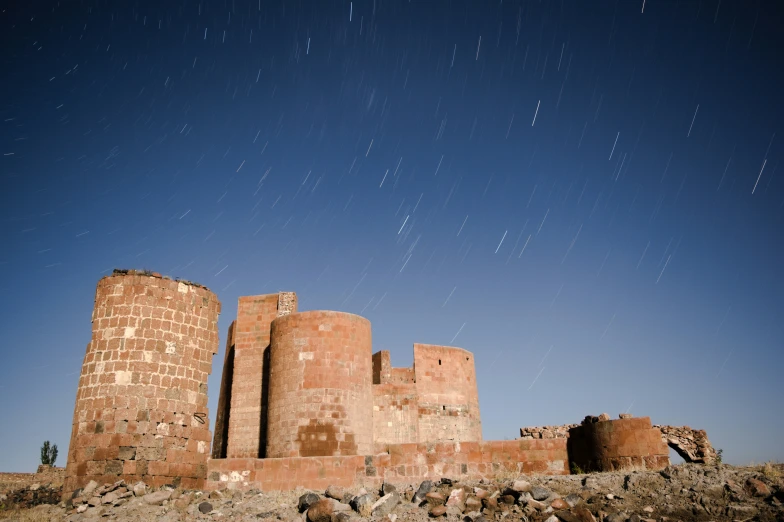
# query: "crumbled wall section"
{"type": "Point", "coordinates": [691, 445]}
{"type": "Point", "coordinates": [547, 432]}
{"type": "Point", "coordinates": [601, 444]}
{"type": "Point", "coordinates": [320, 386]}
{"type": "Point", "coordinates": [141, 404]}
{"type": "Point", "coordinates": [447, 391]}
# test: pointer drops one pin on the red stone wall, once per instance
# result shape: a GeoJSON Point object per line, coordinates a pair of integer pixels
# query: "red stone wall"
{"type": "Point", "coordinates": [400, 463]}
{"type": "Point", "coordinates": [395, 413]}
{"type": "Point", "coordinates": [621, 444]}
{"type": "Point", "coordinates": [141, 404]}
{"type": "Point", "coordinates": [220, 438]}
{"type": "Point", "coordinates": [320, 394]}
{"type": "Point", "coordinates": [448, 398]}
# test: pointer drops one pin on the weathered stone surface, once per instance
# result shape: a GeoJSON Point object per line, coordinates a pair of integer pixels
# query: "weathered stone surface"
{"type": "Point", "coordinates": [306, 500]}
{"type": "Point", "coordinates": [757, 488]}
{"type": "Point", "coordinates": [157, 498]}
{"type": "Point", "coordinates": [473, 504]}
{"type": "Point", "coordinates": [437, 511]}
{"type": "Point", "coordinates": [110, 498]}
{"type": "Point", "coordinates": [457, 498]}
{"type": "Point", "coordinates": [320, 511]}
{"type": "Point", "coordinates": [89, 489]}
{"type": "Point", "coordinates": [139, 489]}
{"type": "Point", "coordinates": [335, 492]}
{"type": "Point", "coordinates": [424, 489]}
{"type": "Point", "coordinates": [540, 493]}
{"type": "Point", "coordinates": [434, 498]}
{"type": "Point", "coordinates": [363, 505]}
{"type": "Point", "coordinates": [386, 504]}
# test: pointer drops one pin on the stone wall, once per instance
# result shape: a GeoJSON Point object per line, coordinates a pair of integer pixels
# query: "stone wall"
{"type": "Point", "coordinates": [141, 404]}
{"type": "Point", "coordinates": [400, 463]}
{"type": "Point", "coordinates": [691, 445]}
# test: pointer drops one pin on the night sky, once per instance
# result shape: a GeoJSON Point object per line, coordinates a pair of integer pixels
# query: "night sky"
{"type": "Point", "coordinates": [583, 193]}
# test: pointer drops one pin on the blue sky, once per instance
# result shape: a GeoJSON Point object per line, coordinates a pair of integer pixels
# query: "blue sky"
{"type": "Point", "coordinates": [585, 195]}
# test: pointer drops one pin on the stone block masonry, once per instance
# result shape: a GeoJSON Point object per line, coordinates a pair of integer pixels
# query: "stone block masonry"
{"type": "Point", "coordinates": [398, 464]}
{"type": "Point", "coordinates": [141, 404]}
{"type": "Point", "coordinates": [303, 402]}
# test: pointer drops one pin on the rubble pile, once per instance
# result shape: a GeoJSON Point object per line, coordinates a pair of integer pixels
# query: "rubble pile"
{"type": "Point", "coordinates": [687, 492]}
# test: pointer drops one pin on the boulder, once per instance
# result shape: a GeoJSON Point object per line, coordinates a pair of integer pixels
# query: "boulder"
{"type": "Point", "coordinates": [306, 500]}
{"type": "Point", "coordinates": [540, 493]}
{"type": "Point", "coordinates": [157, 498]}
{"type": "Point", "coordinates": [757, 488]}
{"type": "Point", "coordinates": [434, 498]}
{"type": "Point", "coordinates": [520, 486]}
{"type": "Point", "coordinates": [139, 489]}
{"type": "Point", "coordinates": [89, 489]}
{"type": "Point", "coordinates": [335, 492]}
{"type": "Point", "coordinates": [386, 504]}
{"type": "Point", "coordinates": [424, 489]}
{"type": "Point", "coordinates": [457, 498]}
{"type": "Point", "coordinates": [362, 504]}
{"type": "Point", "coordinates": [320, 511]}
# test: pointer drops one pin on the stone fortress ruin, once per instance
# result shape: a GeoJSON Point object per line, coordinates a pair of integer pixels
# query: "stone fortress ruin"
{"type": "Point", "coordinates": [303, 402]}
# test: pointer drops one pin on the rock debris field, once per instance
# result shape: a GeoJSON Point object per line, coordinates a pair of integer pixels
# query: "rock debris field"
{"type": "Point", "coordinates": [678, 493]}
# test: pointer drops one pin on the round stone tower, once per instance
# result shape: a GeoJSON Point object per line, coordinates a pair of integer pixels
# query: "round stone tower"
{"type": "Point", "coordinates": [141, 405]}
{"type": "Point", "coordinates": [320, 386]}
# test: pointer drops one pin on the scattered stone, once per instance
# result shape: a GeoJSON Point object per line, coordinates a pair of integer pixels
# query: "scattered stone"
{"type": "Point", "coordinates": [157, 498]}
{"type": "Point", "coordinates": [648, 509]}
{"type": "Point", "coordinates": [757, 488]}
{"type": "Point", "coordinates": [609, 496]}
{"type": "Point", "coordinates": [306, 500]}
{"type": "Point", "coordinates": [110, 498]}
{"type": "Point", "coordinates": [521, 486]}
{"type": "Point", "coordinates": [424, 489]}
{"type": "Point", "coordinates": [573, 499]}
{"type": "Point", "coordinates": [446, 481]}
{"type": "Point", "coordinates": [82, 508]}
{"type": "Point", "coordinates": [386, 504]}
{"type": "Point", "coordinates": [205, 507]}
{"type": "Point", "coordinates": [473, 504]}
{"type": "Point", "coordinates": [437, 511]}
{"type": "Point", "coordinates": [335, 492]}
{"type": "Point", "coordinates": [363, 505]}
{"type": "Point", "coordinates": [540, 493]}
{"type": "Point", "coordinates": [559, 503]}
{"type": "Point", "coordinates": [387, 488]}
{"type": "Point", "coordinates": [139, 489]}
{"type": "Point", "coordinates": [434, 498]}
{"type": "Point", "coordinates": [604, 417]}
{"type": "Point", "coordinates": [552, 518]}
{"type": "Point", "coordinates": [625, 415]}
{"type": "Point", "coordinates": [320, 511]}
{"type": "Point", "coordinates": [89, 489]}
{"type": "Point", "coordinates": [457, 498]}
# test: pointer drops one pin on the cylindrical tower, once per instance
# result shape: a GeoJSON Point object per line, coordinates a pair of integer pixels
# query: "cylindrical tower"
{"type": "Point", "coordinates": [320, 391]}
{"type": "Point", "coordinates": [141, 405]}
{"type": "Point", "coordinates": [448, 396]}
{"type": "Point", "coordinates": [616, 445]}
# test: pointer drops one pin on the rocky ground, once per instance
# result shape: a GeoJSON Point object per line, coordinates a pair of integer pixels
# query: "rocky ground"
{"type": "Point", "coordinates": [679, 493]}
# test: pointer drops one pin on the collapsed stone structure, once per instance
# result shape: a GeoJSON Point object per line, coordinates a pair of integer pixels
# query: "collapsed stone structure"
{"type": "Point", "coordinates": [303, 401]}
{"type": "Point", "coordinates": [691, 445]}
